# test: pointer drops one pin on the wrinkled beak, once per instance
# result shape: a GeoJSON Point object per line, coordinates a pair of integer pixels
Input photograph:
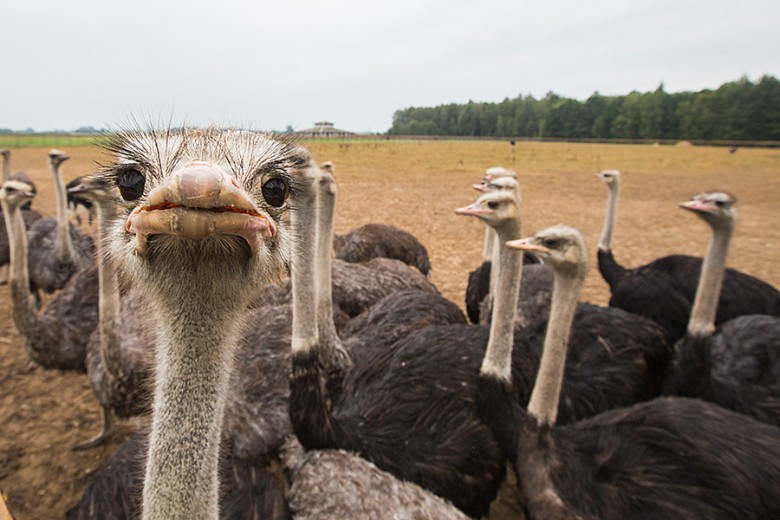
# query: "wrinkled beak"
{"type": "Point", "coordinates": [198, 201]}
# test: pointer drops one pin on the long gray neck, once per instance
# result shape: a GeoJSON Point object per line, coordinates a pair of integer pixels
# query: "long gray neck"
{"type": "Point", "coordinates": [195, 361]}
{"type": "Point", "coordinates": [705, 304]}
{"type": "Point", "coordinates": [488, 244]}
{"type": "Point", "coordinates": [509, 266]}
{"type": "Point", "coordinates": [109, 301]}
{"type": "Point", "coordinates": [545, 396]}
{"type": "Point", "coordinates": [605, 241]}
{"type": "Point", "coordinates": [327, 202]}
{"type": "Point", "coordinates": [23, 314]}
{"type": "Point", "coordinates": [303, 278]}
{"type": "Point", "coordinates": [63, 245]}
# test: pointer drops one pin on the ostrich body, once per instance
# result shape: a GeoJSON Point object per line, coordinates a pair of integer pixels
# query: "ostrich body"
{"type": "Point", "coordinates": [57, 249]}
{"type": "Point", "coordinates": [120, 351]}
{"type": "Point", "coordinates": [664, 458]}
{"type": "Point", "coordinates": [56, 337]}
{"type": "Point", "coordinates": [202, 235]}
{"type": "Point", "coordinates": [382, 241]}
{"type": "Point", "coordinates": [737, 366]}
{"type": "Point", "coordinates": [664, 289]}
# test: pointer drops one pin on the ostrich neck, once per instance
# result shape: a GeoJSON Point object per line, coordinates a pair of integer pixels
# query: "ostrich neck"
{"type": "Point", "coordinates": [509, 265]}
{"type": "Point", "coordinates": [109, 301]}
{"type": "Point", "coordinates": [705, 304]}
{"type": "Point", "coordinates": [303, 278]}
{"type": "Point", "coordinates": [488, 244]}
{"type": "Point", "coordinates": [6, 168]}
{"type": "Point", "coordinates": [24, 316]}
{"type": "Point", "coordinates": [605, 241]}
{"type": "Point", "coordinates": [64, 247]}
{"type": "Point", "coordinates": [195, 361]}
{"type": "Point", "coordinates": [325, 327]}
{"type": "Point", "coordinates": [543, 405]}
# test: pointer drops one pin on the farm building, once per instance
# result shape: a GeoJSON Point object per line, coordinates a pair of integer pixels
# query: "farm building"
{"type": "Point", "coordinates": [324, 129]}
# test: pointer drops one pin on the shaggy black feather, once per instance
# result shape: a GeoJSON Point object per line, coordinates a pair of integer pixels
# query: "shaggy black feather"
{"type": "Point", "coordinates": [665, 458]}
{"type": "Point", "coordinates": [738, 367]}
{"type": "Point", "coordinates": [664, 290]}
{"type": "Point", "coordinates": [382, 241]}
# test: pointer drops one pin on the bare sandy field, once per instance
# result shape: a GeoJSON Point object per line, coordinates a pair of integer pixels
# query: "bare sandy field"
{"type": "Point", "coordinates": [415, 186]}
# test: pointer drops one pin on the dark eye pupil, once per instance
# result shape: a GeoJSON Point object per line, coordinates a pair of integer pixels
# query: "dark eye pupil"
{"type": "Point", "coordinates": [492, 205]}
{"type": "Point", "coordinates": [550, 242]}
{"type": "Point", "coordinates": [131, 184]}
{"type": "Point", "coordinates": [275, 192]}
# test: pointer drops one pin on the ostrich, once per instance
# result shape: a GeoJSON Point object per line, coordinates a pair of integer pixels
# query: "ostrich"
{"type": "Point", "coordinates": [664, 289]}
{"type": "Point", "coordinates": [737, 367]}
{"type": "Point", "coordinates": [203, 232]}
{"type": "Point", "coordinates": [482, 280]}
{"type": "Point", "coordinates": [330, 482]}
{"type": "Point", "coordinates": [57, 337]}
{"type": "Point", "coordinates": [29, 215]}
{"type": "Point", "coordinates": [120, 351]}
{"type": "Point", "coordinates": [664, 458]}
{"type": "Point", "coordinates": [57, 249]}
{"type": "Point", "coordinates": [381, 403]}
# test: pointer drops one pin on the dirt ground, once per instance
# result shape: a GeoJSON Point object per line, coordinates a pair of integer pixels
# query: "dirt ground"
{"type": "Point", "coordinates": [415, 186]}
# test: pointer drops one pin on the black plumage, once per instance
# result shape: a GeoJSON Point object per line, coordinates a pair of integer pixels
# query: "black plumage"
{"type": "Point", "coordinates": [382, 241]}
{"type": "Point", "coordinates": [664, 290]}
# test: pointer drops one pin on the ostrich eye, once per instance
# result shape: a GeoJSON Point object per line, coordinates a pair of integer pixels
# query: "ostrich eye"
{"type": "Point", "coordinates": [720, 203]}
{"type": "Point", "coordinates": [130, 183]}
{"type": "Point", "coordinates": [550, 243]}
{"type": "Point", "coordinates": [275, 192]}
{"type": "Point", "coordinates": [492, 204]}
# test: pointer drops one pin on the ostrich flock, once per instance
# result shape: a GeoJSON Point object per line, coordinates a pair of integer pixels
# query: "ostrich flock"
{"type": "Point", "coordinates": [291, 372]}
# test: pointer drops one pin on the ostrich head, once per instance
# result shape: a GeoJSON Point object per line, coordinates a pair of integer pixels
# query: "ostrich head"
{"type": "Point", "coordinates": [57, 157]}
{"type": "Point", "coordinates": [15, 193]}
{"type": "Point", "coordinates": [496, 209]}
{"type": "Point", "coordinates": [562, 247]}
{"type": "Point", "coordinates": [715, 207]}
{"type": "Point", "coordinates": [94, 188]}
{"type": "Point", "coordinates": [610, 177]}
{"type": "Point", "coordinates": [198, 202]}
{"type": "Point", "coordinates": [497, 184]}
{"type": "Point", "coordinates": [493, 173]}
{"type": "Point", "coordinates": [6, 153]}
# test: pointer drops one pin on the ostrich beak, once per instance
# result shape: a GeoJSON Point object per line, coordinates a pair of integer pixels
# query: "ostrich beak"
{"type": "Point", "coordinates": [197, 201]}
{"type": "Point", "coordinates": [526, 244]}
{"type": "Point", "coordinates": [698, 206]}
{"type": "Point", "coordinates": [472, 209]}
{"type": "Point", "coordinates": [481, 187]}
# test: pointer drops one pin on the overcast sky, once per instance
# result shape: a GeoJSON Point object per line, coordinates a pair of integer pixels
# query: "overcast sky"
{"type": "Point", "coordinates": [267, 65]}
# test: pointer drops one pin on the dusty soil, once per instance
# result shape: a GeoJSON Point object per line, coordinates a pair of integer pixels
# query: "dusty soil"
{"type": "Point", "coordinates": [415, 186]}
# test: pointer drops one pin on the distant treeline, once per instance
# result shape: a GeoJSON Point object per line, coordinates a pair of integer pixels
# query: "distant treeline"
{"type": "Point", "coordinates": [740, 110]}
